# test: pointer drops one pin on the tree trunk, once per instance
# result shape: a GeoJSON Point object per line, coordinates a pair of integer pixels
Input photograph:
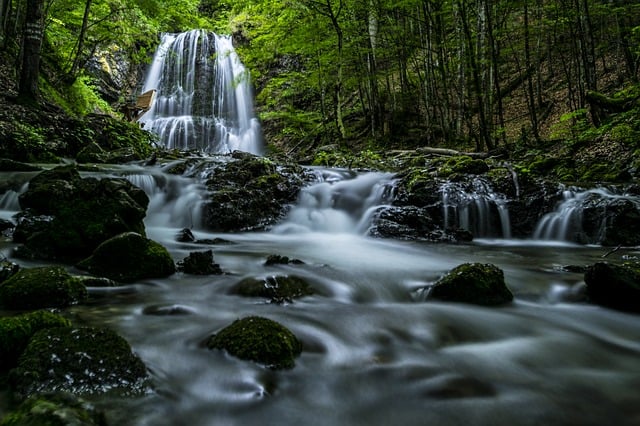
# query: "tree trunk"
{"type": "Point", "coordinates": [80, 46]}
{"type": "Point", "coordinates": [31, 48]}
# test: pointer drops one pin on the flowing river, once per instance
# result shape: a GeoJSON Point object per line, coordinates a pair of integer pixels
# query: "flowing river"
{"type": "Point", "coordinates": [375, 350]}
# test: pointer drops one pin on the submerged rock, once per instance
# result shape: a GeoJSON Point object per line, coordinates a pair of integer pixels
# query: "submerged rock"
{"type": "Point", "coordinates": [199, 263]}
{"type": "Point", "coordinates": [129, 257]}
{"type": "Point", "coordinates": [67, 217]}
{"type": "Point", "coordinates": [278, 289]}
{"type": "Point", "coordinates": [276, 259]}
{"type": "Point", "coordinates": [43, 287]}
{"type": "Point", "coordinates": [55, 409]}
{"type": "Point", "coordinates": [78, 360]}
{"type": "Point", "coordinates": [258, 339]}
{"type": "Point", "coordinates": [15, 333]}
{"type": "Point", "coordinates": [475, 283]}
{"type": "Point", "coordinates": [614, 286]}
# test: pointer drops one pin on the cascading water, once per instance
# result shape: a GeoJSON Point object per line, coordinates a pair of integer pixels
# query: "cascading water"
{"type": "Point", "coordinates": [474, 209]}
{"type": "Point", "coordinates": [204, 100]}
{"type": "Point", "coordinates": [341, 202]}
{"type": "Point", "coordinates": [568, 222]}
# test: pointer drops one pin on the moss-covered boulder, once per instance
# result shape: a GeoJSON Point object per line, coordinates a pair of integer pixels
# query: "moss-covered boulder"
{"type": "Point", "coordinates": [78, 360]}
{"type": "Point", "coordinates": [129, 257]}
{"type": "Point", "coordinates": [67, 217]}
{"type": "Point", "coordinates": [614, 286]}
{"type": "Point", "coordinates": [199, 263]}
{"type": "Point", "coordinates": [475, 283]}
{"type": "Point", "coordinates": [15, 333]}
{"type": "Point", "coordinates": [251, 193]}
{"type": "Point", "coordinates": [278, 289]}
{"type": "Point", "coordinates": [258, 339]}
{"type": "Point", "coordinates": [42, 287]}
{"type": "Point", "coordinates": [55, 409]}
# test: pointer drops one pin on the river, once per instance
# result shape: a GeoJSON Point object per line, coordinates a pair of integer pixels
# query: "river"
{"type": "Point", "coordinates": [375, 351]}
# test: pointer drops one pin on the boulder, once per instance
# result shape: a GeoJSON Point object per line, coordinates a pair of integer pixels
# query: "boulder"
{"type": "Point", "coordinates": [251, 193]}
{"type": "Point", "coordinates": [67, 217]}
{"type": "Point", "coordinates": [82, 361]}
{"type": "Point", "coordinates": [129, 257]}
{"type": "Point", "coordinates": [42, 287]}
{"type": "Point", "coordinates": [15, 333]}
{"type": "Point", "coordinates": [278, 289]}
{"type": "Point", "coordinates": [55, 409]}
{"type": "Point", "coordinates": [258, 339]}
{"type": "Point", "coordinates": [474, 283]}
{"type": "Point", "coordinates": [614, 286]}
{"type": "Point", "coordinates": [7, 270]}
{"type": "Point", "coordinates": [276, 259]}
{"type": "Point", "coordinates": [199, 263]}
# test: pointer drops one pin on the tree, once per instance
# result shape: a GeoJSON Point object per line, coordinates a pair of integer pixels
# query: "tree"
{"type": "Point", "coordinates": [31, 47]}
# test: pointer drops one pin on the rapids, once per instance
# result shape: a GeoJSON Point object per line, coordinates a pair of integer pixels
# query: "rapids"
{"type": "Point", "coordinates": [375, 351]}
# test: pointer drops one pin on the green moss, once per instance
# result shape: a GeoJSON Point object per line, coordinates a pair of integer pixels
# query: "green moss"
{"type": "Point", "coordinates": [475, 283]}
{"type": "Point", "coordinates": [15, 333]}
{"type": "Point", "coordinates": [54, 409]}
{"type": "Point", "coordinates": [78, 360]}
{"type": "Point", "coordinates": [259, 339]}
{"type": "Point", "coordinates": [128, 257]}
{"type": "Point", "coordinates": [43, 287]}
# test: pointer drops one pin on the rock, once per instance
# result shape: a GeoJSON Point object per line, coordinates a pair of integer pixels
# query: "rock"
{"type": "Point", "coordinates": [67, 217]}
{"type": "Point", "coordinates": [276, 259]}
{"type": "Point", "coordinates": [199, 263]}
{"type": "Point", "coordinates": [78, 360]}
{"type": "Point", "coordinates": [258, 339]}
{"type": "Point", "coordinates": [614, 286]}
{"type": "Point", "coordinates": [43, 287]}
{"type": "Point", "coordinates": [129, 257]}
{"type": "Point", "coordinates": [612, 221]}
{"type": "Point", "coordinates": [185, 236]}
{"type": "Point", "coordinates": [475, 283]}
{"type": "Point", "coordinates": [92, 153]}
{"type": "Point", "coordinates": [250, 193]}
{"type": "Point", "coordinates": [55, 409]}
{"type": "Point", "coordinates": [15, 333]}
{"type": "Point", "coordinates": [278, 289]}
{"type": "Point", "coordinates": [7, 270]}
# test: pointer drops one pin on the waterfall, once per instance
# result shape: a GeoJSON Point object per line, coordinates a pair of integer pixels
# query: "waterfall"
{"type": "Point", "coordinates": [203, 96]}
{"type": "Point", "coordinates": [569, 221]}
{"type": "Point", "coordinates": [340, 202]}
{"type": "Point", "coordinates": [474, 208]}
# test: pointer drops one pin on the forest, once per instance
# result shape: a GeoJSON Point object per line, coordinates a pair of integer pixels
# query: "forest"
{"type": "Point", "coordinates": [365, 75]}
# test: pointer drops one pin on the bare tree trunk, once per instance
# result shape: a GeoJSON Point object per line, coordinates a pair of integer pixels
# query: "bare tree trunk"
{"type": "Point", "coordinates": [31, 48]}
{"type": "Point", "coordinates": [81, 37]}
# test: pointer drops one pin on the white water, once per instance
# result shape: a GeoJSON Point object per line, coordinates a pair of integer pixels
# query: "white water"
{"type": "Point", "coordinates": [474, 209]}
{"type": "Point", "coordinates": [340, 202]}
{"type": "Point", "coordinates": [565, 223]}
{"type": "Point", "coordinates": [204, 99]}
{"type": "Point", "coordinates": [374, 352]}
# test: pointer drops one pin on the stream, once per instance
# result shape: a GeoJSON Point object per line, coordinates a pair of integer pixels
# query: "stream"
{"type": "Point", "coordinates": [375, 350]}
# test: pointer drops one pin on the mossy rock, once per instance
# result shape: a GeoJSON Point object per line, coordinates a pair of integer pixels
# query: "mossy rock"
{"type": "Point", "coordinates": [55, 409]}
{"type": "Point", "coordinates": [78, 360]}
{"type": "Point", "coordinates": [199, 263]}
{"type": "Point", "coordinates": [7, 270]}
{"type": "Point", "coordinates": [65, 217]}
{"type": "Point", "coordinates": [15, 333]}
{"type": "Point", "coordinates": [474, 283]}
{"type": "Point", "coordinates": [7, 165]}
{"type": "Point", "coordinates": [258, 339]}
{"type": "Point", "coordinates": [614, 286]}
{"type": "Point", "coordinates": [42, 287]}
{"type": "Point", "coordinates": [278, 289]}
{"type": "Point", "coordinates": [129, 257]}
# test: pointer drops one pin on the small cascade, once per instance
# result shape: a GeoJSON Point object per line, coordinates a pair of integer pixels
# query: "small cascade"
{"type": "Point", "coordinates": [174, 201]}
{"type": "Point", "coordinates": [581, 216]}
{"type": "Point", "coordinates": [9, 200]}
{"type": "Point", "coordinates": [204, 100]}
{"type": "Point", "coordinates": [341, 202]}
{"type": "Point", "coordinates": [475, 208]}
